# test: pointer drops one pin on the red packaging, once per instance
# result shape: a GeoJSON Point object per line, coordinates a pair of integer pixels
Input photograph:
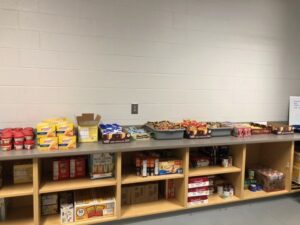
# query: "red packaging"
{"type": "Point", "coordinates": [19, 145]}
{"type": "Point", "coordinates": [18, 136]}
{"type": "Point", "coordinates": [29, 144]}
{"type": "Point", "coordinates": [6, 147]}
{"type": "Point", "coordinates": [170, 189]}
{"type": "Point", "coordinates": [200, 191]}
{"type": "Point", "coordinates": [28, 135]}
{"type": "Point", "coordinates": [61, 169]}
{"type": "Point", "coordinates": [6, 137]}
{"type": "Point", "coordinates": [195, 182]}
{"type": "Point", "coordinates": [77, 167]}
{"type": "Point", "coordinates": [198, 200]}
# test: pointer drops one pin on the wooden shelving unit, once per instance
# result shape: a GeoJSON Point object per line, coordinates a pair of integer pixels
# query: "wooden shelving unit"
{"type": "Point", "coordinates": [270, 150]}
{"type": "Point", "coordinates": [16, 190]}
{"type": "Point", "coordinates": [132, 178]}
{"type": "Point", "coordinates": [76, 184]}
{"type": "Point", "coordinates": [213, 170]}
{"type": "Point", "coordinates": [150, 208]}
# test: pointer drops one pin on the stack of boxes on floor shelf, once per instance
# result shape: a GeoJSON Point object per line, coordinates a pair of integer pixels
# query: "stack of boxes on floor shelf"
{"type": "Point", "coordinates": [83, 204]}
{"type": "Point", "coordinates": [200, 188]}
{"type": "Point", "coordinates": [22, 174]}
{"type": "Point", "coordinates": [263, 178]}
{"type": "Point", "coordinates": [157, 163]}
{"type": "Point", "coordinates": [79, 205]}
{"type": "Point", "coordinates": [56, 134]}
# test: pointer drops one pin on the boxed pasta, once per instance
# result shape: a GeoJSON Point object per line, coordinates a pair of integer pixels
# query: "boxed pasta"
{"type": "Point", "coordinates": [101, 165]}
{"type": "Point", "coordinates": [45, 129]}
{"type": "Point", "coordinates": [67, 142]}
{"type": "Point", "coordinates": [84, 205]}
{"type": "Point", "coordinates": [65, 128]}
{"type": "Point", "coordinates": [22, 173]}
{"type": "Point", "coordinates": [48, 143]}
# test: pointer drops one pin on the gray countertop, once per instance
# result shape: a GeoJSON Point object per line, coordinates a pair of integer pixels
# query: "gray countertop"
{"type": "Point", "coordinates": [90, 148]}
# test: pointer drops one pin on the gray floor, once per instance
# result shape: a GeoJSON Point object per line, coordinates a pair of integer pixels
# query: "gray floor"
{"type": "Point", "coordinates": [276, 211]}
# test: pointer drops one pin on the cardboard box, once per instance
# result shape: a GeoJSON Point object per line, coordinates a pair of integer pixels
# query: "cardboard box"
{"type": "Point", "coordinates": [66, 207]}
{"type": "Point", "coordinates": [169, 189]}
{"type": "Point", "coordinates": [66, 142]}
{"type": "Point", "coordinates": [88, 127]}
{"type": "Point", "coordinates": [84, 205]}
{"type": "Point", "coordinates": [151, 192]}
{"type": "Point", "coordinates": [196, 182]}
{"type": "Point", "coordinates": [48, 143]}
{"type": "Point", "coordinates": [105, 203]}
{"type": "Point", "coordinates": [65, 128]}
{"type": "Point", "coordinates": [77, 167]}
{"type": "Point", "coordinates": [200, 191]}
{"type": "Point", "coordinates": [49, 209]}
{"type": "Point", "coordinates": [61, 169]}
{"type": "Point", "coordinates": [22, 173]}
{"type": "Point", "coordinates": [45, 129]}
{"type": "Point", "coordinates": [101, 165]}
{"type": "Point", "coordinates": [200, 200]}
{"type": "Point", "coordinates": [50, 199]}
{"type": "Point", "coordinates": [170, 167]}
{"type": "Point", "coordinates": [126, 195]}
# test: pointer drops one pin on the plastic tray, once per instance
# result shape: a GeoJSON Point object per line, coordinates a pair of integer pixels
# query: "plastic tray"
{"type": "Point", "coordinates": [221, 132]}
{"type": "Point", "coordinates": [165, 134]}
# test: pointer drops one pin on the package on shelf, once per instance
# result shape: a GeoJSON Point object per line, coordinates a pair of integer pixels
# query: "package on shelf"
{"type": "Point", "coordinates": [66, 202]}
{"type": "Point", "coordinates": [101, 165]}
{"type": "Point", "coordinates": [88, 127]}
{"type": "Point", "coordinates": [199, 200]}
{"type": "Point", "coordinates": [170, 166]}
{"type": "Point", "coordinates": [3, 209]}
{"type": "Point", "coordinates": [196, 182]}
{"type": "Point", "coordinates": [113, 133]}
{"type": "Point", "coordinates": [67, 142]}
{"type": "Point", "coordinates": [49, 204]}
{"type": "Point", "coordinates": [138, 133]}
{"type": "Point", "coordinates": [195, 129]}
{"type": "Point", "coordinates": [105, 203]}
{"type": "Point", "coordinates": [93, 203]}
{"type": "Point", "coordinates": [61, 169]}
{"type": "Point", "coordinates": [48, 143]}
{"type": "Point", "coordinates": [77, 167]}
{"type": "Point", "coordinates": [169, 189]}
{"type": "Point", "coordinates": [241, 130]}
{"type": "Point", "coordinates": [200, 191]}
{"type": "Point", "coordinates": [65, 128]}
{"type": "Point", "coordinates": [22, 173]}
{"type": "Point", "coordinates": [17, 138]}
{"type": "Point", "coordinates": [45, 130]}
{"type": "Point", "coordinates": [135, 194]}
{"type": "Point", "coordinates": [84, 205]}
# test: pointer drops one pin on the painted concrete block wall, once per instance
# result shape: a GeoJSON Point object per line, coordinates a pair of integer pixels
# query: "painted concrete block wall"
{"type": "Point", "coordinates": [203, 59]}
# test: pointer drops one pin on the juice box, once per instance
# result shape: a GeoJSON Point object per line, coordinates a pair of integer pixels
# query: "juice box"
{"type": "Point", "coordinates": [66, 142]}
{"type": "Point", "coordinates": [48, 143]}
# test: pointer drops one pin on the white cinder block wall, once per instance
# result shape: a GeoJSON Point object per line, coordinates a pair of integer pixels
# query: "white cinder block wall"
{"type": "Point", "coordinates": [204, 59]}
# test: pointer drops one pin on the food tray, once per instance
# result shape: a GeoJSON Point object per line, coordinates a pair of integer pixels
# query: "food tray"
{"type": "Point", "coordinates": [199, 135]}
{"type": "Point", "coordinates": [264, 129]}
{"type": "Point", "coordinates": [165, 134]}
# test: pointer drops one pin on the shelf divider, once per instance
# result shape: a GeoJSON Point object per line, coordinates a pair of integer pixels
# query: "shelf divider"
{"type": "Point", "coordinates": [36, 185]}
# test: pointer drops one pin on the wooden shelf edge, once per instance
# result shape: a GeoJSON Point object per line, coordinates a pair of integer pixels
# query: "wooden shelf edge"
{"type": "Point", "coordinates": [16, 190]}
{"type": "Point", "coordinates": [258, 195]}
{"type": "Point", "coordinates": [206, 171]}
{"type": "Point", "coordinates": [132, 179]}
{"type": "Point", "coordinates": [76, 184]}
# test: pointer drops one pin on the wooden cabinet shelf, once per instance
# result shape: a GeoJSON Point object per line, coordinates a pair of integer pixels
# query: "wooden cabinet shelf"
{"type": "Point", "coordinates": [216, 200]}
{"type": "Point", "coordinates": [132, 178]}
{"type": "Point", "coordinates": [19, 216]}
{"type": "Point", "coordinates": [262, 194]}
{"type": "Point", "coordinates": [150, 208]}
{"type": "Point", "coordinates": [75, 184]}
{"type": "Point", "coordinates": [55, 220]}
{"type": "Point", "coordinates": [16, 190]}
{"type": "Point", "coordinates": [213, 170]}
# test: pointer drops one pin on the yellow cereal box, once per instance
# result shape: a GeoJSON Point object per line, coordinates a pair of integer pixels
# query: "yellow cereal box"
{"type": "Point", "coordinates": [48, 143]}
{"type": "Point", "coordinates": [66, 143]}
{"type": "Point", "coordinates": [65, 129]}
{"type": "Point", "coordinates": [45, 130]}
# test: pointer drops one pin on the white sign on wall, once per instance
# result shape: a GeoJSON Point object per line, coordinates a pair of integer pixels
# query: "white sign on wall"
{"type": "Point", "coordinates": [294, 114]}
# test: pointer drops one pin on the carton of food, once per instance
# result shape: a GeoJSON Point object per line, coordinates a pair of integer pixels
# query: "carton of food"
{"type": "Point", "coordinates": [65, 128]}
{"type": "Point", "coordinates": [105, 203]}
{"type": "Point", "coordinates": [170, 167]}
{"type": "Point", "coordinates": [50, 199]}
{"type": "Point", "coordinates": [77, 167]}
{"type": "Point", "coordinates": [84, 205]}
{"type": "Point", "coordinates": [61, 169]}
{"type": "Point", "coordinates": [101, 165]}
{"type": "Point", "coordinates": [88, 127]}
{"type": "Point", "coordinates": [49, 209]}
{"type": "Point", "coordinates": [67, 142]}
{"type": "Point", "coordinates": [48, 143]}
{"type": "Point", "coordinates": [151, 192]}
{"type": "Point", "coordinates": [126, 195]}
{"type": "Point", "coordinates": [45, 130]}
{"type": "Point", "coordinates": [22, 173]}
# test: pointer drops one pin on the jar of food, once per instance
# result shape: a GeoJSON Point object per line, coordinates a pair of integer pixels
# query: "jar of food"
{"type": "Point", "coordinates": [6, 138]}
{"type": "Point", "coordinates": [19, 136]}
{"type": "Point", "coordinates": [18, 145]}
{"type": "Point", "coordinates": [29, 144]}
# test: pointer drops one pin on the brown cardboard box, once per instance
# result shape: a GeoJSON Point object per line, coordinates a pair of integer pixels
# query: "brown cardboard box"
{"type": "Point", "coordinates": [152, 192]}
{"type": "Point", "coordinates": [88, 127]}
{"type": "Point", "coordinates": [126, 195]}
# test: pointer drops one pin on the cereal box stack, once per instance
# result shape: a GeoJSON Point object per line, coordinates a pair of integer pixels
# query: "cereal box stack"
{"type": "Point", "coordinates": [56, 133]}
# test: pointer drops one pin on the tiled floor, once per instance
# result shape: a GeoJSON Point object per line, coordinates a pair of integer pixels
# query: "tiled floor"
{"type": "Point", "coordinates": [276, 211]}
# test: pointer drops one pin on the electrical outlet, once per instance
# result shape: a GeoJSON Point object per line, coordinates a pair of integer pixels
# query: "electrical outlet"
{"type": "Point", "coordinates": [134, 109]}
